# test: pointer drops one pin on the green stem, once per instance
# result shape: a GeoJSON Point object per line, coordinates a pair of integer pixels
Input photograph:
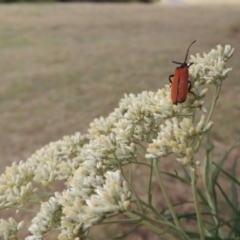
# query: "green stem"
{"type": "Point", "coordinates": [151, 227]}
{"type": "Point", "coordinates": [196, 203]}
{"type": "Point", "coordinates": [167, 198]}
{"type": "Point", "coordinates": [130, 173]}
{"type": "Point", "coordinates": [139, 163]}
{"type": "Point", "coordinates": [214, 213]}
{"type": "Point", "coordinates": [165, 194]}
{"type": "Point", "coordinates": [163, 223]}
{"type": "Point", "coordinates": [90, 238]}
{"type": "Point", "coordinates": [40, 196]}
{"type": "Point", "coordinates": [209, 115]}
{"type": "Point", "coordinates": [132, 221]}
{"type": "Point", "coordinates": [129, 185]}
{"type": "Point", "coordinates": [214, 102]}
{"type": "Point", "coordinates": [24, 210]}
{"type": "Point", "coordinates": [143, 152]}
{"type": "Point", "coordinates": [154, 211]}
{"type": "Point", "coordinates": [150, 184]}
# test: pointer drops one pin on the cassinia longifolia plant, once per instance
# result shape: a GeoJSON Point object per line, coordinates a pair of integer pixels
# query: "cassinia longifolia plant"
{"type": "Point", "coordinates": [92, 165]}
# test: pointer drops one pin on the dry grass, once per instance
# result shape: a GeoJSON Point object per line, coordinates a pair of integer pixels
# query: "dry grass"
{"type": "Point", "coordinates": [62, 65]}
{"type": "Point", "coordinates": [200, 2]}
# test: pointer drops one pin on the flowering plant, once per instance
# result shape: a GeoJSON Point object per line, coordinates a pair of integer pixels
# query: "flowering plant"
{"type": "Point", "coordinates": [93, 165]}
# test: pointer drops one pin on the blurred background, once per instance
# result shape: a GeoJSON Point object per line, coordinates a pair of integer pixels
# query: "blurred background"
{"type": "Point", "coordinates": [64, 64]}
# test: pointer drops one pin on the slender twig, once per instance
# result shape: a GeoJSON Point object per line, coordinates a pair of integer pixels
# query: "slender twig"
{"type": "Point", "coordinates": [153, 210]}
{"type": "Point", "coordinates": [218, 89]}
{"type": "Point", "coordinates": [151, 227]}
{"type": "Point", "coordinates": [216, 95]}
{"type": "Point", "coordinates": [150, 184]}
{"type": "Point", "coordinates": [133, 220]}
{"type": "Point", "coordinates": [214, 214]}
{"type": "Point", "coordinates": [130, 173]}
{"type": "Point", "coordinates": [24, 210]}
{"type": "Point", "coordinates": [167, 198]}
{"type": "Point", "coordinates": [130, 186]}
{"type": "Point", "coordinates": [196, 203]}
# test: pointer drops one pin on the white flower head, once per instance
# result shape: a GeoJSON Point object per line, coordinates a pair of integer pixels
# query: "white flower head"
{"type": "Point", "coordinates": [177, 136]}
{"type": "Point", "coordinates": [86, 203]}
{"type": "Point", "coordinates": [211, 68]}
{"type": "Point", "coordinates": [47, 219]}
{"type": "Point", "coordinates": [9, 229]}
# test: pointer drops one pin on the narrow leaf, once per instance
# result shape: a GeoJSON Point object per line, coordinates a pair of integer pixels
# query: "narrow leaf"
{"type": "Point", "coordinates": [207, 176]}
{"type": "Point", "coordinates": [176, 176]}
{"type": "Point", "coordinates": [236, 223]}
{"type": "Point", "coordinates": [226, 198]}
{"type": "Point", "coordinates": [221, 162]}
{"type": "Point", "coordinates": [227, 174]}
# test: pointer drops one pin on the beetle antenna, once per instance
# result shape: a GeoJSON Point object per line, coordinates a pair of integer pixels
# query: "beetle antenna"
{"type": "Point", "coordinates": [176, 62]}
{"type": "Point", "coordinates": [188, 50]}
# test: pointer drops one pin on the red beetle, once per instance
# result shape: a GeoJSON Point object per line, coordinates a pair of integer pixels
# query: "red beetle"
{"type": "Point", "coordinates": [180, 83]}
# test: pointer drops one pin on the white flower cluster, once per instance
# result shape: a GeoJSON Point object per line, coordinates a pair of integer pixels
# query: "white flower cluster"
{"type": "Point", "coordinates": [15, 185]}
{"type": "Point", "coordinates": [143, 115]}
{"type": "Point", "coordinates": [177, 137]}
{"type": "Point", "coordinates": [87, 202]}
{"type": "Point", "coordinates": [90, 199]}
{"type": "Point", "coordinates": [211, 68]}
{"type": "Point", "coordinates": [90, 164]}
{"type": "Point", "coordinates": [57, 160]}
{"type": "Point", "coordinates": [49, 216]}
{"type": "Point", "coordinates": [52, 162]}
{"type": "Point", "coordinates": [137, 116]}
{"type": "Point", "coordinates": [96, 189]}
{"type": "Point", "coordinates": [10, 228]}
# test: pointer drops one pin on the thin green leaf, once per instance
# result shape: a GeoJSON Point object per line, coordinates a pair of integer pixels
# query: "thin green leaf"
{"type": "Point", "coordinates": [193, 216]}
{"type": "Point", "coordinates": [234, 188]}
{"type": "Point", "coordinates": [228, 175]}
{"type": "Point", "coordinates": [207, 176]}
{"type": "Point", "coordinates": [226, 198]}
{"type": "Point", "coordinates": [187, 176]}
{"type": "Point", "coordinates": [176, 176]}
{"type": "Point", "coordinates": [126, 233]}
{"type": "Point", "coordinates": [228, 223]}
{"type": "Point", "coordinates": [218, 169]}
{"type": "Point", "coordinates": [176, 204]}
{"type": "Point", "coordinates": [220, 163]}
{"type": "Point", "coordinates": [201, 195]}
{"type": "Point", "coordinates": [217, 231]}
{"type": "Point", "coordinates": [215, 238]}
{"type": "Point", "coordinates": [222, 223]}
{"type": "Point", "coordinates": [193, 235]}
{"type": "Point", "coordinates": [236, 224]}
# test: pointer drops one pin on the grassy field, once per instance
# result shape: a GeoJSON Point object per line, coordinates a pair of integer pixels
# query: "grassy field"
{"type": "Point", "coordinates": [201, 2]}
{"type": "Point", "coordinates": [62, 65]}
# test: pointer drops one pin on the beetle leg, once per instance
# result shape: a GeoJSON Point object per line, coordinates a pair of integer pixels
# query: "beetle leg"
{"type": "Point", "coordinates": [189, 65]}
{"type": "Point", "coordinates": [189, 88]}
{"type": "Point", "coordinates": [170, 76]}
